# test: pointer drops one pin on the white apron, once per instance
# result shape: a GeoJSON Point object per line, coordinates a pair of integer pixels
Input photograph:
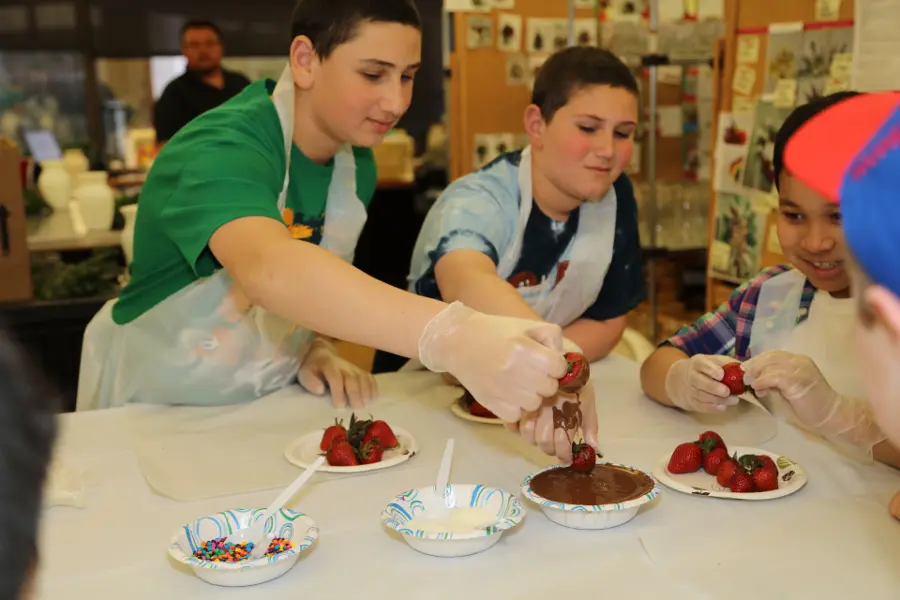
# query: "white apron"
{"type": "Point", "coordinates": [824, 336]}
{"type": "Point", "coordinates": [590, 257]}
{"type": "Point", "coordinates": [206, 344]}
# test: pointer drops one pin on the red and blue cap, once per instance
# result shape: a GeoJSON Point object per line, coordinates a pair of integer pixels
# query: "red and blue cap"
{"type": "Point", "coordinates": [850, 153]}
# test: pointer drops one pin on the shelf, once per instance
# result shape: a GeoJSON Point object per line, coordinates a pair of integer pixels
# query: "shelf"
{"type": "Point", "coordinates": [55, 234]}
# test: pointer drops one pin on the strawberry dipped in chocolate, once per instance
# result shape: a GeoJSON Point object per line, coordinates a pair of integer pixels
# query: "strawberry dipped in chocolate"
{"type": "Point", "coordinates": [577, 375]}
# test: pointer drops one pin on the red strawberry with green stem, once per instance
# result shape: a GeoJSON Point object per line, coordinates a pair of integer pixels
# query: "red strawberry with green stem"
{"type": "Point", "coordinates": [715, 441]}
{"type": "Point", "coordinates": [370, 452]}
{"type": "Point", "coordinates": [577, 374]}
{"type": "Point", "coordinates": [333, 433]}
{"type": "Point", "coordinates": [686, 458]}
{"type": "Point", "coordinates": [765, 479]}
{"type": "Point", "coordinates": [381, 431]}
{"type": "Point", "coordinates": [734, 378]}
{"type": "Point", "coordinates": [584, 457]}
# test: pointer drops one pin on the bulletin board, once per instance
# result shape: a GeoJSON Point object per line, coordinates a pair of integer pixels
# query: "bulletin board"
{"type": "Point", "coordinates": [484, 101]}
{"type": "Point", "coordinates": [759, 84]}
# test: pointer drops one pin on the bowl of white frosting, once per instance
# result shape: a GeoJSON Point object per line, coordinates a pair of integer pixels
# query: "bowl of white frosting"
{"type": "Point", "coordinates": [465, 520]}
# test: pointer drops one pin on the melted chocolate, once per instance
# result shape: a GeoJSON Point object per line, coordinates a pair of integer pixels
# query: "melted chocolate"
{"type": "Point", "coordinates": [569, 417]}
{"type": "Point", "coordinates": [606, 484]}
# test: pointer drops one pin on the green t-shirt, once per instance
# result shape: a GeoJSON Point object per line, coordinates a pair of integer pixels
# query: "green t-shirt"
{"type": "Point", "coordinates": [226, 164]}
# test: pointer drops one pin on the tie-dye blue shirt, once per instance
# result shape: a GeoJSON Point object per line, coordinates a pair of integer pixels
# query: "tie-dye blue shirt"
{"type": "Point", "coordinates": [481, 212]}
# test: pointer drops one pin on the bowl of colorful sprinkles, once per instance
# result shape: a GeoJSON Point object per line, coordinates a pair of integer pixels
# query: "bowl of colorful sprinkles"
{"type": "Point", "coordinates": [201, 546]}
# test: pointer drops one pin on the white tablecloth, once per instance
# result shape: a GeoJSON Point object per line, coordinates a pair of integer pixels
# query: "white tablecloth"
{"type": "Point", "coordinates": [831, 539]}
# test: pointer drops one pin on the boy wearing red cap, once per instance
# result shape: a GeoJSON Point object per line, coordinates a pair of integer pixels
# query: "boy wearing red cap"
{"type": "Point", "coordinates": [786, 326]}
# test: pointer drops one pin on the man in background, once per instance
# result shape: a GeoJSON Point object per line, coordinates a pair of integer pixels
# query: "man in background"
{"type": "Point", "coordinates": [204, 84]}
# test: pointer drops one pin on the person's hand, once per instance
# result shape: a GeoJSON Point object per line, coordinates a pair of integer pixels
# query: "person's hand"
{"type": "Point", "coordinates": [541, 430]}
{"type": "Point", "coordinates": [450, 379]}
{"type": "Point", "coordinates": [815, 403]}
{"type": "Point", "coordinates": [509, 365]}
{"type": "Point", "coordinates": [695, 384]}
{"type": "Point", "coordinates": [324, 370]}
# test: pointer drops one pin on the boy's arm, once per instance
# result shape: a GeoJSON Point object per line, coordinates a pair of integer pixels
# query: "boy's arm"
{"type": "Point", "coordinates": [470, 277]}
{"type": "Point", "coordinates": [887, 453]}
{"type": "Point", "coordinates": [596, 338]}
{"type": "Point", "coordinates": [655, 369]}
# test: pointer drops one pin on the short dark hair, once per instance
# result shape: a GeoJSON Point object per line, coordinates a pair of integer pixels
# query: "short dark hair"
{"type": "Point", "coordinates": [330, 23]}
{"type": "Point", "coordinates": [201, 24]}
{"type": "Point", "coordinates": [27, 431]}
{"type": "Point", "coordinates": [571, 69]}
{"type": "Point", "coordinates": [795, 121]}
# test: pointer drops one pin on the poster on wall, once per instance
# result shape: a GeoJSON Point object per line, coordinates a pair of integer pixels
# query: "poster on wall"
{"type": "Point", "coordinates": [509, 32]}
{"type": "Point", "coordinates": [480, 32]}
{"type": "Point", "coordinates": [517, 70]}
{"type": "Point", "coordinates": [759, 173]}
{"type": "Point", "coordinates": [783, 58]}
{"type": "Point", "coordinates": [731, 151]}
{"type": "Point", "coordinates": [820, 47]}
{"type": "Point", "coordinates": [739, 232]}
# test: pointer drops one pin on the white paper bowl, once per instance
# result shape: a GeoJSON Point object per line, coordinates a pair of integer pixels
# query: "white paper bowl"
{"type": "Point", "coordinates": [296, 527]}
{"type": "Point", "coordinates": [580, 516]}
{"type": "Point", "coordinates": [415, 503]}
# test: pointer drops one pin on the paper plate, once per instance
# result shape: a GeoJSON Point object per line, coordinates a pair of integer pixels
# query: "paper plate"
{"type": "Point", "coordinates": [460, 411]}
{"type": "Point", "coordinates": [305, 450]}
{"type": "Point", "coordinates": [791, 477]}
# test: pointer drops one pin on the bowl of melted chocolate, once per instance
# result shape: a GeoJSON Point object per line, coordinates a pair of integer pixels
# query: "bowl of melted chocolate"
{"type": "Point", "coordinates": [608, 496]}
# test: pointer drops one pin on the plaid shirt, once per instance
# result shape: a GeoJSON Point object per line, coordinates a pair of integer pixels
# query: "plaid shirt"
{"type": "Point", "coordinates": [726, 330]}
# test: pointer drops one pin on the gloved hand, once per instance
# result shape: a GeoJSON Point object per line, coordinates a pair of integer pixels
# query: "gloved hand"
{"type": "Point", "coordinates": [540, 428]}
{"type": "Point", "coordinates": [508, 364]}
{"type": "Point", "coordinates": [695, 384]}
{"type": "Point", "coordinates": [323, 366]}
{"type": "Point", "coordinates": [568, 346]}
{"type": "Point", "coordinates": [816, 405]}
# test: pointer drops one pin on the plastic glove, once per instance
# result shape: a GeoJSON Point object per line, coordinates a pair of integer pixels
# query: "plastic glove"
{"type": "Point", "coordinates": [568, 346]}
{"type": "Point", "coordinates": [817, 406]}
{"type": "Point", "coordinates": [695, 384]}
{"type": "Point", "coordinates": [508, 364]}
{"type": "Point", "coordinates": [324, 370]}
{"type": "Point", "coordinates": [540, 428]}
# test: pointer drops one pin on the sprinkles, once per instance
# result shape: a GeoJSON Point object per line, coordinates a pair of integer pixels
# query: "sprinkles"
{"type": "Point", "coordinates": [217, 550]}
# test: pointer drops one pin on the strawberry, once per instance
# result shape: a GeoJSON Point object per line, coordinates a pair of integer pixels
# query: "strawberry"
{"type": "Point", "coordinates": [477, 410]}
{"type": "Point", "coordinates": [741, 483]}
{"type": "Point", "coordinates": [734, 378]}
{"type": "Point", "coordinates": [687, 458]}
{"type": "Point", "coordinates": [767, 462]}
{"type": "Point", "coordinates": [584, 457]}
{"type": "Point", "coordinates": [332, 434]}
{"type": "Point", "coordinates": [381, 431]}
{"type": "Point", "coordinates": [577, 375]}
{"type": "Point", "coordinates": [726, 472]}
{"type": "Point", "coordinates": [714, 460]}
{"type": "Point", "coordinates": [371, 452]}
{"type": "Point", "coordinates": [341, 454]}
{"type": "Point", "coordinates": [765, 479]}
{"type": "Point", "coordinates": [715, 441]}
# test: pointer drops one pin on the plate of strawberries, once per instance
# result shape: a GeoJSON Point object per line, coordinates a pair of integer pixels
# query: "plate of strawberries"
{"type": "Point", "coordinates": [468, 408]}
{"type": "Point", "coordinates": [363, 445]}
{"type": "Point", "coordinates": [707, 467]}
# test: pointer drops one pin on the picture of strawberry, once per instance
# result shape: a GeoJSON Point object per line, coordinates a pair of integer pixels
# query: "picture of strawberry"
{"type": "Point", "coordinates": [715, 441]}
{"type": "Point", "coordinates": [726, 472]}
{"type": "Point", "coordinates": [577, 375]}
{"type": "Point", "coordinates": [714, 460]}
{"type": "Point", "coordinates": [333, 433]}
{"type": "Point", "coordinates": [686, 458]}
{"type": "Point", "coordinates": [734, 378]}
{"type": "Point", "coordinates": [371, 452]}
{"type": "Point", "coordinates": [381, 431]}
{"type": "Point", "coordinates": [341, 454]}
{"type": "Point", "coordinates": [583, 457]}
{"type": "Point", "coordinates": [741, 483]}
{"type": "Point", "coordinates": [765, 479]}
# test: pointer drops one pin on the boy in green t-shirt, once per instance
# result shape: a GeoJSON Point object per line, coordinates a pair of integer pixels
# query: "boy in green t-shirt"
{"type": "Point", "coordinates": [237, 230]}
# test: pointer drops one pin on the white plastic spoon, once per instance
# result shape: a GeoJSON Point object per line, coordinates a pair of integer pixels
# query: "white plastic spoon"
{"type": "Point", "coordinates": [440, 491]}
{"type": "Point", "coordinates": [257, 530]}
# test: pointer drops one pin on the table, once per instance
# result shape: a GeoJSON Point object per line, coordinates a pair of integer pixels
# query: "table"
{"type": "Point", "coordinates": [832, 539]}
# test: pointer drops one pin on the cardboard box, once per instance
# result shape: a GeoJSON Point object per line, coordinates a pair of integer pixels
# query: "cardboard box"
{"type": "Point", "coordinates": [15, 259]}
